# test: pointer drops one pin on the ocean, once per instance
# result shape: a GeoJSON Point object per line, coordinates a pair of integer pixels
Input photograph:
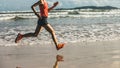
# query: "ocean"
{"type": "Point", "coordinates": [71, 26]}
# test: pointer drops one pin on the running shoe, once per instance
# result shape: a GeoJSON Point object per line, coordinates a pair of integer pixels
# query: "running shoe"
{"type": "Point", "coordinates": [60, 46]}
{"type": "Point", "coordinates": [18, 38]}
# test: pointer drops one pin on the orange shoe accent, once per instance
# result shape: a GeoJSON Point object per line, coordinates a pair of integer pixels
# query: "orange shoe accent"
{"type": "Point", "coordinates": [60, 46]}
{"type": "Point", "coordinates": [19, 37]}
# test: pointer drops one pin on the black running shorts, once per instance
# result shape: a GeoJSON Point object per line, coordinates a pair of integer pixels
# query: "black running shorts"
{"type": "Point", "coordinates": [42, 21]}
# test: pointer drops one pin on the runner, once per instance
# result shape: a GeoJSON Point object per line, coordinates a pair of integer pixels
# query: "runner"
{"type": "Point", "coordinates": [42, 23]}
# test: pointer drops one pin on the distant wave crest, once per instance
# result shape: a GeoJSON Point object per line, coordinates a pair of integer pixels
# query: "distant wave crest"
{"type": "Point", "coordinates": [58, 13]}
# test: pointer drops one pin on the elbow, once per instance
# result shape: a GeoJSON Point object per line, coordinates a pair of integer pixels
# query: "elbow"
{"type": "Point", "coordinates": [31, 7]}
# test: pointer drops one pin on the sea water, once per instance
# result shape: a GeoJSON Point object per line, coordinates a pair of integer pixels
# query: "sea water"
{"type": "Point", "coordinates": [69, 25]}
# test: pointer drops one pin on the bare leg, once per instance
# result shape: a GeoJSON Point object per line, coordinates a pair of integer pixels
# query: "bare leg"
{"type": "Point", "coordinates": [49, 28]}
{"type": "Point", "coordinates": [35, 34]}
{"type": "Point", "coordinates": [20, 36]}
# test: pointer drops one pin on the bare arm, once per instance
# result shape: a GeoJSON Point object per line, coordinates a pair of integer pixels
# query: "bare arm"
{"type": "Point", "coordinates": [54, 5]}
{"type": "Point", "coordinates": [36, 4]}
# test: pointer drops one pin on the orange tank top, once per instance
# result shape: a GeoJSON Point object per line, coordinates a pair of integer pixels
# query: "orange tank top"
{"type": "Point", "coordinates": [44, 9]}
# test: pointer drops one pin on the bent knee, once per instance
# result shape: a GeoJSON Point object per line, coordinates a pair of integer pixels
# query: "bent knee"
{"type": "Point", "coordinates": [52, 32]}
{"type": "Point", "coordinates": [35, 35]}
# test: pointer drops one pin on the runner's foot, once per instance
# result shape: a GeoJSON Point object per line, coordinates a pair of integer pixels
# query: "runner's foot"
{"type": "Point", "coordinates": [19, 37]}
{"type": "Point", "coordinates": [60, 46]}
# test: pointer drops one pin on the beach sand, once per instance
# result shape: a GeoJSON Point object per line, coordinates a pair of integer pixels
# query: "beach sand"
{"type": "Point", "coordinates": [76, 55]}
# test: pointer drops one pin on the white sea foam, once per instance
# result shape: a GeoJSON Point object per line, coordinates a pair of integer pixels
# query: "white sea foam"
{"type": "Point", "coordinates": [85, 33]}
{"type": "Point", "coordinates": [58, 13]}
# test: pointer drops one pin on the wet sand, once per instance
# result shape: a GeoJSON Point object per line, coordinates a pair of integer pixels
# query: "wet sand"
{"type": "Point", "coordinates": [75, 55]}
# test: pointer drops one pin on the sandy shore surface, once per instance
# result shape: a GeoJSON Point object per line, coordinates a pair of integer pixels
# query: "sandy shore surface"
{"type": "Point", "coordinates": [75, 55]}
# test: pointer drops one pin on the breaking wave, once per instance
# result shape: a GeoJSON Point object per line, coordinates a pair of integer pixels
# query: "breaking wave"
{"type": "Point", "coordinates": [58, 13]}
{"type": "Point", "coordinates": [68, 33]}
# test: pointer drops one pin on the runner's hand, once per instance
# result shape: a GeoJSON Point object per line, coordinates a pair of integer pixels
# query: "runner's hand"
{"type": "Point", "coordinates": [38, 16]}
{"type": "Point", "coordinates": [56, 3]}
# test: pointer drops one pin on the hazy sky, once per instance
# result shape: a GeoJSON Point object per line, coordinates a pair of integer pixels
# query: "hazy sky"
{"type": "Point", "coordinates": [25, 4]}
{"type": "Point", "coordinates": [77, 3]}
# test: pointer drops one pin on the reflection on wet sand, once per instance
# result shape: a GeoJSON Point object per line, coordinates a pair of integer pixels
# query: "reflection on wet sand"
{"type": "Point", "coordinates": [18, 67]}
{"type": "Point", "coordinates": [58, 59]}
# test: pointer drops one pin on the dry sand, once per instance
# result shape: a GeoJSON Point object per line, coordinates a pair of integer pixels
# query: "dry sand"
{"type": "Point", "coordinates": [76, 55]}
